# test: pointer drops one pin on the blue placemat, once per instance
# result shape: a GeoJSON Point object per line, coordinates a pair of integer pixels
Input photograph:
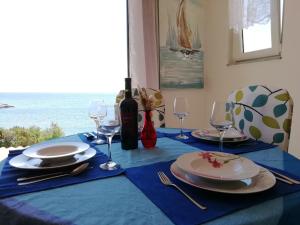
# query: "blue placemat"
{"type": "Point", "coordinates": [234, 148]}
{"type": "Point", "coordinates": [8, 178]}
{"type": "Point", "coordinates": [116, 138]}
{"type": "Point", "coordinates": [182, 211]}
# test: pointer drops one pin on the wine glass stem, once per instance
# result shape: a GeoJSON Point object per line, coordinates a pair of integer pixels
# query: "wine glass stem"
{"type": "Point", "coordinates": [97, 133]}
{"type": "Point", "coordinates": [221, 140]}
{"type": "Point", "coordinates": [181, 126]}
{"type": "Point", "coordinates": [109, 139]}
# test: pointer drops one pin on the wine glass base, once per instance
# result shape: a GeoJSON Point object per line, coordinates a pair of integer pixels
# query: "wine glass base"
{"type": "Point", "coordinates": [184, 137]}
{"type": "Point", "coordinates": [109, 166]}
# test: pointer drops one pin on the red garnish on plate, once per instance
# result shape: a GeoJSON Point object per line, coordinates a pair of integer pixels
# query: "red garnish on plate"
{"type": "Point", "coordinates": [213, 161]}
{"type": "Point", "coordinates": [216, 164]}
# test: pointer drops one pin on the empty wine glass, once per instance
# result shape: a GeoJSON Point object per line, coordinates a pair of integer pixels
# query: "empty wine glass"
{"type": "Point", "coordinates": [181, 111]}
{"type": "Point", "coordinates": [109, 127]}
{"type": "Point", "coordinates": [97, 111]}
{"type": "Point", "coordinates": [221, 118]}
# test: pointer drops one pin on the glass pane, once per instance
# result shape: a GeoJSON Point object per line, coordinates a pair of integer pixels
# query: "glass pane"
{"type": "Point", "coordinates": [48, 44]}
{"type": "Point", "coordinates": [55, 57]}
{"type": "Point", "coordinates": [257, 37]}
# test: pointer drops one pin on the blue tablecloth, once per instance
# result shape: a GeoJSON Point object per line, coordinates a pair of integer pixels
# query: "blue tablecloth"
{"type": "Point", "coordinates": [118, 201]}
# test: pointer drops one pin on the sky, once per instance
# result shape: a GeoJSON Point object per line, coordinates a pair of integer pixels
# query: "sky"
{"type": "Point", "coordinates": [62, 45]}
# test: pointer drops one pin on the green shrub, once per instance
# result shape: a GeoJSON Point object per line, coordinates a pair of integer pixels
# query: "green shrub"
{"type": "Point", "coordinates": [20, 136]}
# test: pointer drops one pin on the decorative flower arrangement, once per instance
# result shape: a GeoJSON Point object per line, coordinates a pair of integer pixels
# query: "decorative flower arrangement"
{"type": "Point", "coordinates": [147, 101]}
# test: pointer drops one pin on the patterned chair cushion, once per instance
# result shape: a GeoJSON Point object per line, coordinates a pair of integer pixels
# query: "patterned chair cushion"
{"type": "Point", "coordinates": [263, 113]}
{"type": "Point", "coordinates": [158, 115]}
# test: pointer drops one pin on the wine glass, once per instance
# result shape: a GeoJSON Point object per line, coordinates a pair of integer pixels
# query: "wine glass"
{"type": "Point", "coordinates": [97, 111]}
{"type": "Point", "coordinates": [109, 127]}
{"type": "Point", "coordinates": [181, 111]}
{"type": "Point", "coordinates": [221, 118]}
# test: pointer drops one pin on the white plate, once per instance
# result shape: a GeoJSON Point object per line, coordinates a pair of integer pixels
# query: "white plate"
{"type": "Point", "coordinates": [23, 162]}
{"type": "Point", "coordinates": [217, 165]}
{"type": "Point", "coordinates": [230, 136]}
{"type": "Point", "coordinates": [263, 181]}
{"type": "Point", "coordinates": [55, 150]}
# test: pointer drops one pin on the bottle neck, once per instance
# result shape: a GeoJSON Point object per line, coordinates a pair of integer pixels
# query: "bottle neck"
{"type": "Point", "coordinates": [128, 93]}
{"type": "Point", "coordinates": [128, 88]}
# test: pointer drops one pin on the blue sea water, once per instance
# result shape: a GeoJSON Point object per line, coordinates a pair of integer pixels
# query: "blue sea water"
{"type": "Point", "coordinates": [69, 111]}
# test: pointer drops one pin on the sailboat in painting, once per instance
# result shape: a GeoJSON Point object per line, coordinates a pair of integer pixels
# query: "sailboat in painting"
{"type": "Point", "coordinates": [181, 53]}
{"type": "Point", "coordinates": [189, 41]}
{"type": "Point", "coordinates": [171, 41]}
{"type": "Point", "coordinates": [182, 38]}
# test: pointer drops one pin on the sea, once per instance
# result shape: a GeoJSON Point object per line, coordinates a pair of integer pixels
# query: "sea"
{"type": "Point", "coordinates": [68, 110]}
{"type": "Point", "coordinates": [176, 69]}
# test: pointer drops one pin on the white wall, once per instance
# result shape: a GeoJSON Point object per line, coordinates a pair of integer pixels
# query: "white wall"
{"type": "Point", "coordinates": [220, 79]}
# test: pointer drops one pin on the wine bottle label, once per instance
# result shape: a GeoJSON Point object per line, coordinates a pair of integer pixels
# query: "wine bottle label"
{"type": "Point", "coordinates": [128, 120]}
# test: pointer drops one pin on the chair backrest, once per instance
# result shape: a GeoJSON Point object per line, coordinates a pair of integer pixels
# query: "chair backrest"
{"type": "Point", "coordinates": [158, 114]}
{"type": "Point", "coordinates": [263, 113]}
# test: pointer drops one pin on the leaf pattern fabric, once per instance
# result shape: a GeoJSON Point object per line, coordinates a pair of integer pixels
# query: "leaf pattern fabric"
{"type": "Point", "coordinates": [260, 101]}
{"type": "Point", "coordinates": [279, 110]}
{"type": "Point", "coordinates": [158, 115]}
{"type": "Point", "coordinates": [263, 113]}
{"type": "Point", "coordinates": [255, 132]}
{"type": "Point", "coordinates": [248, 115]}
{"type": "Point", "coordinates": [270, 122]}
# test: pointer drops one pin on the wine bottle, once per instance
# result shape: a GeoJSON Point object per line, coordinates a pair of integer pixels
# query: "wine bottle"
{"type": "Point", "coordinates": [129, 119]}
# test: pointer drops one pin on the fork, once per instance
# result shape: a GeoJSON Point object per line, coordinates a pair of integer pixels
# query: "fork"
{"type": "Point", "coordinates": [166, 181]}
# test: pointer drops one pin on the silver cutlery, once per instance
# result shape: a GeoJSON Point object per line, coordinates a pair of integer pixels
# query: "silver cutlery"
{"type": "Point", "coordinates": [283, 180]}
{"type": "Point", "coordinates": [90, 136]}
{"type": "Point", "coordinates": [166, 181]}
{"type": "Point", "coordinates": [86, 135]}
{"type": "Point", "coordinates": [279, 175]}
{"type": "Point", "coordinates": [43, 175]}
{"type": "Point", "coordinates": [38, 176]}
{"type": "Point", "coordinates": [74, 172]}
{"type": "Point", "coordinates": [282, 177]}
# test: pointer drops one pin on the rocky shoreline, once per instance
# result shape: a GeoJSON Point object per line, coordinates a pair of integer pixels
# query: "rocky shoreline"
{"type": "Point", "coordinates": [4, 106]}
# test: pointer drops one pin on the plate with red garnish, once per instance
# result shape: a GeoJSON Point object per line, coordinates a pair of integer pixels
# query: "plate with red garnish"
{"type": "Point", "coordinates": [261, 182]}
{"type": "Point", "coordinates": [217, 165]}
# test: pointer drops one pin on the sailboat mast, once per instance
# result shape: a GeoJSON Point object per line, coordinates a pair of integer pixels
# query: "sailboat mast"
{"type": "Point", "coordinates": [184, 32]}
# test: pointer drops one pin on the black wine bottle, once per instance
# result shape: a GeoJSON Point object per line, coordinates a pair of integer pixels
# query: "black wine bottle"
{"type": "Point", "coordinates": [129, 119]}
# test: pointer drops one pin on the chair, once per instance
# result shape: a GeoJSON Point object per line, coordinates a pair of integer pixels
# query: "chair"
{"type": "Point", "coordinates": [263, 113]}
{"type": "Point", "coordinates": [158, 114]}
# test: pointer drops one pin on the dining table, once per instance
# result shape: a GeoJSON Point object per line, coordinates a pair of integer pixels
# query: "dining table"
{"type": "Point", "coordinates": [136, 196]}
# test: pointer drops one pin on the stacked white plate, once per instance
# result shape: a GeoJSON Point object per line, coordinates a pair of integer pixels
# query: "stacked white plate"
{"type": "Point", "coordinates": [231, 135]}
{"type": "Point", "coordinates": [53, 155]}
{"type": "Point", "coordinates": [222, 172]}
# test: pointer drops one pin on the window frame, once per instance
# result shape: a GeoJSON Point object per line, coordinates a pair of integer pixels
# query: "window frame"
{"type": "Point", "coordinates": [237, 52]}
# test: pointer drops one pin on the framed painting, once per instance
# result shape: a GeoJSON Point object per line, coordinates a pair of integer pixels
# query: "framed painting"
{"type": "Point", "coordinates": [181, 28]}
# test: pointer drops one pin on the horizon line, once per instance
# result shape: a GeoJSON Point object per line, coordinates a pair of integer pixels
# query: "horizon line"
{"type": "Point", "coordinates": [25, 92]}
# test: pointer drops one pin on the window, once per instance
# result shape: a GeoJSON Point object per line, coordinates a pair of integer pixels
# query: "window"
{"type": "Point", "coordinates": [260, 40]}
{"type": "Point", "coordinates": [45, 45]}
{"type": "Point", "coordinates": [56, 56]}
